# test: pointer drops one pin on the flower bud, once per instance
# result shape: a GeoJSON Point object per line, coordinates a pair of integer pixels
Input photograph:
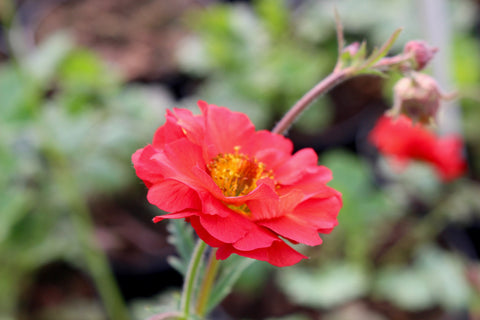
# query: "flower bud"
{"type": "Point", "coordinates": [421, 52]}
{"type": "Point", "coordinates": [352, 48]}
{"type": "Point", "coordinates": [418, 97]}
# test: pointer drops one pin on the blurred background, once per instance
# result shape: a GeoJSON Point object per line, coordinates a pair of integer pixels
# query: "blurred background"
{"type": "Point", "coordinates": [83, 84]}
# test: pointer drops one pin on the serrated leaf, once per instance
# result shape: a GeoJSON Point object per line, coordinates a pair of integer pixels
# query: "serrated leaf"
{"type": "Point", "coordinates": [181, 236]}
{"type": "Point", "coordinates": [230, 273]}
{"type": "Point", "coordinates": [177, 264]}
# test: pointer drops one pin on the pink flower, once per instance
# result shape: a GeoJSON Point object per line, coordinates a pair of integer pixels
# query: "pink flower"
{"type": "Point", "coordinates": [401, 139]}
{"type": "Point", "coordinates": [242, 190]}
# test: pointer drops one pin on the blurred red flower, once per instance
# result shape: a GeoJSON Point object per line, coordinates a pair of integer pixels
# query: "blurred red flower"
{"type": "Point", "coordinates": [405, 141]}
{"type": "Point", "coordinates": [242, 190]}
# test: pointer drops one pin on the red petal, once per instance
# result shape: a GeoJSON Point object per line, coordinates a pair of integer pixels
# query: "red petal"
{"type": "Point", "coordinates": [320, 213]}
{"type": "Point", "coordinates": [172, 196]}
{"type": "Point", "coordinates": [213, 206]}
{"type": "Point", "coordinates": [256, 238]}
{"type": "Point", "coordinates": [404, 141]}
{"type": "Point", "coordinates": [449, 161]}
{"type": "Point", "coordinates": [295, 229]}
{"type": "Point", "coordinates": [146, 168]}
{"type": "Point", "coordinates": [178, 159]}
{"type": "Point", "coordinates": [169, 132]}
{"type": "Point", "coordinates": [227, 230]}
{"type": "Point", "coordinates": [269, 148]}
{"type": "Point", "coordinates": [176, 215]}
{"type": "Point", "coordinates": [273, 206]}
{"type": "Point", "coordinates": [278, 254]}
{"type": "Point", "coordinates": [224, 129]}
{"type": "Point", "coordinates": [294, 169]}
{"type": "Point", "coordinates": [193, 126]}
{"type": "Point", "coordinates": [203, 234]}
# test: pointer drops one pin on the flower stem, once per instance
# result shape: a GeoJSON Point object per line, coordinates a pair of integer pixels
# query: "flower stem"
{"type": "Point", "coordinates": [190, 277]}
{"type": "Point", "coordinates": [207, 284]}
{"type": "Point", "coordinates": [322, 87]}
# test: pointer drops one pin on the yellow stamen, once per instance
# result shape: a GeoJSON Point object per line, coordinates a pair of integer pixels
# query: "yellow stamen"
{"type": "Point", "coordinates": [237, 174]}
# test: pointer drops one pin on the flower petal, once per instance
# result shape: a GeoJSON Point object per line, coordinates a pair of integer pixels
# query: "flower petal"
{"type": "Point", "coordinates": [291, 228]}
{"type": "Point", "coordinates": [169, 132]}
{"type": "Point", "coordinates": [320, 213]}
{"type": "Point", "coordinates": [176, 215]}
{"type": "Point", "coordinates": [226, 229]}
{"type": "Point", "coordinates": [278, 254]}
{"type": "Point", "coordinates": [146, 168]}
{"type": "Point", "coordinates": [294, 169]}
{"type": "Point", "coordinates": [192, 126]}
{"type": "Point", "coordinates": [256, 238]}
{"type": "Point", "coordinates": [224, 129]}
{"type": "Point", "coordinates": [172, 196]}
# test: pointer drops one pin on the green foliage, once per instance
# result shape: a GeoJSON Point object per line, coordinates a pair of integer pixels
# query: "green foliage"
{"type": "Point", "coordinates": [181, 236]}
{"type": "Point", "coordinates": [328, 286]}
{"type": "Point", "coordinates": [229, 274]}
{"type": "Point", "coordinates": [255, 55]}
{"type": "Point", "coordinates": [436, 278]}
{"type": "Point", "coordinates": [61, 109]}
{"type": "Point", "coordinates": [365, 208]}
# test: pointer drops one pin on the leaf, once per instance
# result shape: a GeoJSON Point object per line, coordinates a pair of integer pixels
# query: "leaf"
{"type": "Point", "coordinates": [19, 94]}
{"type": "Point", "coordinates": [43, 62]}
{"type": "Point", "coordinates": [326, 287]}
{"type": "Point", "coordinates": [435, 278]}
{"type": "Point", "coordinates": [406, 288]}
{"type": "Point", "coordinates": [181, 236]}
{"type": "Point", "coordinates": [165, 302]}
{"type": "Point", "coordinates": [445, 275]}
{"type": "Point", "coordinates": [230, 273]}
{"type": "Point", "coordinates": [378, 54]}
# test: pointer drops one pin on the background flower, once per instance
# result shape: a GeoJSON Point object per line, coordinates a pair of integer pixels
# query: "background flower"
{"type": "Point", "coordinates": [404, 141]}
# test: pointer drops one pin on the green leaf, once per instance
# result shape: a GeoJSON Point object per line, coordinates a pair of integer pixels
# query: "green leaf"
{"type": "Point", "coordinates": [19, 94]}
{"type": "Point", "coordinates": [378, 54]}
{"type": "Point", "coordinates": [166, 302]}
{"type": "Point", "coordinates": [13, 207]}
{"type": "Point", "coordinates": [435, 278]}
{"type": "Point", "coordinates": [231, 271]}
{"type": "Point", "coordinates": [326, 287]}
{"type": "Point", "coordinates": [445, 274]}
{"type": "Point", "coordinates": [406, 288]}
{"type": "Point", "coordinates": [43, 62]}
{"type": "Point", "coordinates": [181, 236]}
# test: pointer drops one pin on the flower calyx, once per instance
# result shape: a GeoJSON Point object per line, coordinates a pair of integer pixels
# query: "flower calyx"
{"type": "Point", "coordinates": [418, 96]}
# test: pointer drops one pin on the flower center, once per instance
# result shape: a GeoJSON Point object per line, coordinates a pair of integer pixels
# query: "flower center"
{"type": "Point", "coordinates": [236, 174]}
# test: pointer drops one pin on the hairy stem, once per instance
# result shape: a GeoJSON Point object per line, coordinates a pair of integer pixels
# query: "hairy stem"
{"type": "Point", "coordinates": [206, 288]}
{"type": "Point", "coordinates": [189, 284]}
{"type": "Point", "coordinates": [321, 88]}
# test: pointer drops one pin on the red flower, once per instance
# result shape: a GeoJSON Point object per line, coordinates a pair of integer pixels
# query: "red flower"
{"type": "Point", "coordinates": [404, 141]}
{"type": "Point", "coordinates": [242, 190]}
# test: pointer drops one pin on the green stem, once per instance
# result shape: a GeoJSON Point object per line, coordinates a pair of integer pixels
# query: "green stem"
{"type": "Point", "coordinates": [97, 262]}
{"type": "Point", "coordinates": [189, 284]}
{"type": "Point", "coordinates": [207, 284]}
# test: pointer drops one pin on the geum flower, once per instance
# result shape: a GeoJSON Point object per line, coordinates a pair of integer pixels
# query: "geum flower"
{"type": "Point", "coordinates": [242, 190]}
{"type": "Point", "coordinates": [402, 140]}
